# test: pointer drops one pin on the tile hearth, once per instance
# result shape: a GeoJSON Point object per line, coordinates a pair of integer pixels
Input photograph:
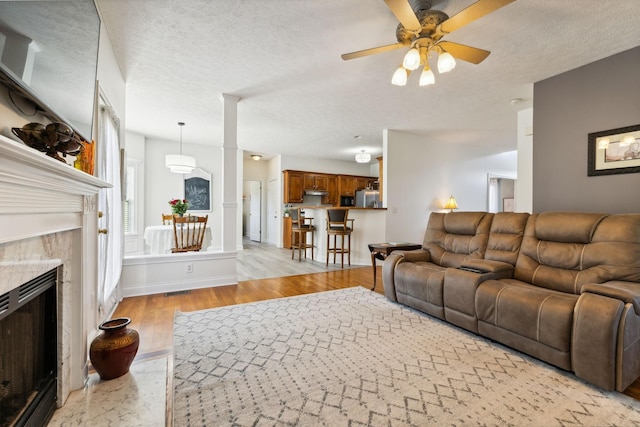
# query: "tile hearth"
{"type": "Point", "coordinates": [135, 399]}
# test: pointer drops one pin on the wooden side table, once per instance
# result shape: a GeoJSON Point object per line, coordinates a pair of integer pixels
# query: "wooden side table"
{"type": "Point", "coordinates": [382, 250]}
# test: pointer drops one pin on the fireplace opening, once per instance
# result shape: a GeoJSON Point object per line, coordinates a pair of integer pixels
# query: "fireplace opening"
{"type": "Point", "coordinates": [29, 352]}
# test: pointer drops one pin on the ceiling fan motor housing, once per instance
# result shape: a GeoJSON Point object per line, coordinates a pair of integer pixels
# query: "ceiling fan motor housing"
{"type": "Point", "coordinates": [429, 20]}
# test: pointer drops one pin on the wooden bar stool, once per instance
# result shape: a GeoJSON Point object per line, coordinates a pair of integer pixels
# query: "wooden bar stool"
{"type": "Point", "coordinates": [338, 225]}
{"type": "Point", "coordinates": [300, 226]}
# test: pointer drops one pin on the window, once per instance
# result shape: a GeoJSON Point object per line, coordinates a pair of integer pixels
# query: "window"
{"type": "Point", "coordinates": [129, 211]}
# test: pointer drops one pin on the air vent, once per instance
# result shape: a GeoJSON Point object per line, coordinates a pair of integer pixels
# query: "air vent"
{"type": "Point", "coordinates": [36, 286]}
{"type": "Point", "coordinates": [4, 303]}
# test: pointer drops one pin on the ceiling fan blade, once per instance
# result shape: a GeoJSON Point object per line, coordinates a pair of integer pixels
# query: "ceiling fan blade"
{"type": "Point", "coordinates": [372, 51]}
{"type": "Point", "coordinates": [475, 11]}
{"type": "Point", "coordinates": [466, 53]}
{"type": "Point", "coordinates": [403, 11]}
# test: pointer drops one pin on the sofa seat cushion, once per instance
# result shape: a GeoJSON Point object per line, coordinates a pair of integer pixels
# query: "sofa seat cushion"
{"type": "Point", "coordinates": [421, 280]}
{"type": "Point", "coordinates": [540, 314]}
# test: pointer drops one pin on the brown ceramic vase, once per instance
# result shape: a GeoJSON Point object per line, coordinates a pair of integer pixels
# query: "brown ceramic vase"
{"type": "Point", "coordinates": [113, 351]}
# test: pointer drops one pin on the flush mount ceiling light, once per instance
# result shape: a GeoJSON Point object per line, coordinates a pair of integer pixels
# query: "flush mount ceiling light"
{"type": "Point", "coordinates": [179, 163]}
{"type": "Point", "coordinates": [363, 157]}
{"type": "Point", "coordinates": [256, 157]}
{"type": "Point", "coordinates": [422, 29]}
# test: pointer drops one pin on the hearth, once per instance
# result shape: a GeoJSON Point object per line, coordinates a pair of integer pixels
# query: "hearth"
{"type": "Point", "coordinates": [28, 352]}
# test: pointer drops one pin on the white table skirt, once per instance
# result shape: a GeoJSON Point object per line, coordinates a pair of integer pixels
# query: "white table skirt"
{"type": "Point", "coordinates": [160, 238]}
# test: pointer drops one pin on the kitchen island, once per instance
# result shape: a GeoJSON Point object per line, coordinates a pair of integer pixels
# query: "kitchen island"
{"type": "Point", "coordinates": [368, 226]}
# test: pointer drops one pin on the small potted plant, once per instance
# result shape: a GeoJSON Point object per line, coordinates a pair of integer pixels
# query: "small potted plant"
{"type": "Point", "coordinates": [286, 210]}
{"type": "Point", "coordinates": [179, 206]}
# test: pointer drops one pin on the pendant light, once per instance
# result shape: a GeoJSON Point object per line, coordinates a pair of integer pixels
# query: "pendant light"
{"type": "Point", "coordinates": [179, 163]}
{"type": "Point", "coordinates": [363, 157]}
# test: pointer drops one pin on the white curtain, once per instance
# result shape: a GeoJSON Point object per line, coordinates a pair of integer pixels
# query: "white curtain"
{"type": "Point", "coordinates": [110, 204]}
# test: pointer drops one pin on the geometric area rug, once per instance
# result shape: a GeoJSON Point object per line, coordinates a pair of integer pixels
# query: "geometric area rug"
{"type": "Point", "coordinates": [350, 357]}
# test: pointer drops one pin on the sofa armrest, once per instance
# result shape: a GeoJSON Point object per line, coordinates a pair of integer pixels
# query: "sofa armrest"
{"type": "Point", "coordinates": [389, 268]}
{"type": "Point", "coordinates": [627, 292]}
{"type": "Point", "coordinates": [488, 266]}
{"type": "Point", "coordinates": [417, 255]}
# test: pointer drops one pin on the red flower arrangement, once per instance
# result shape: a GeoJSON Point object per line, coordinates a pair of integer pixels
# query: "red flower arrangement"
{"type": "Point", "coordinates": [179, 206]}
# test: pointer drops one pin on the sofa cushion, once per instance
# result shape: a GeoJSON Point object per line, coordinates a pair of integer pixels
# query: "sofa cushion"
{"type": "Point", "coordinates": [564, 251]}
{"type": "Point", "coordinates": [542, 315]}
{"type": "Point", "coordinates": [422, 280]}
{"type": "Point", "coordinates": [505, 236]}
{"type": "Point", "coordinates": [453, 237]}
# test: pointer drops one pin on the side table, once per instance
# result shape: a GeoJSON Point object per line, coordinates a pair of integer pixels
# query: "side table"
{"type": "Point", "coordinates": [382, 250]}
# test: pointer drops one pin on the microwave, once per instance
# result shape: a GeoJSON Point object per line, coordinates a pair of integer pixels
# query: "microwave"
{"type": "Point", "coordinates": [347, 201]}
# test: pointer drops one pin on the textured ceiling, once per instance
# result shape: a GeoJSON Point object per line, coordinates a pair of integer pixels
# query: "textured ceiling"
{"type": "Point", "coordinates": [298, 97]}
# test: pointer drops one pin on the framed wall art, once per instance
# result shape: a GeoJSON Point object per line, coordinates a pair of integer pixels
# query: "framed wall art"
{"type": "Point", "coordinates": [614, 151]}
{"type": "Point", "coordinates": [197, 190]}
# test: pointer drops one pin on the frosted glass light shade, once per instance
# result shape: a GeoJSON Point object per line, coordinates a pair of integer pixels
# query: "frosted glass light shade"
{"type": "Point", "coordinates": [363, 157]}
{"type": "Point", "coordinates": [426, 77]}
{"type": "Point", "coordinates": [399, 77]}
{"type": "Point", "coordinates": [446, 62]}
{"type": "Point", "coordinates": [411, 60]}
{"type": "Point", "coordinates": [179, 163]}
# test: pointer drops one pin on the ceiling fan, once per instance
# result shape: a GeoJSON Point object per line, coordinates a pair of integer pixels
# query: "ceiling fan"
{"type": "Point", "coordinates": [423, 29]}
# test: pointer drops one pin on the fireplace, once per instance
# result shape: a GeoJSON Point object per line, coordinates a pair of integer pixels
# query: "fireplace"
{"type": "Point", "coordinates": [28, 352]}
{"type": "Point", "coordinates": [50, 222]}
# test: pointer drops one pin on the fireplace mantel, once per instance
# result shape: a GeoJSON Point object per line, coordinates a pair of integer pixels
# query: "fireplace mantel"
{"type": "Point", "coordinates": [48, 212]}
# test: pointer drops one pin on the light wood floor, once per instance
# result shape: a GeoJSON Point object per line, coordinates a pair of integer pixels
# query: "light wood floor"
{"type": "Point", "coordinates": [152, 315]}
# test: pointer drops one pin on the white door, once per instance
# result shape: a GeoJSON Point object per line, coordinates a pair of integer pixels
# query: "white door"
{"type": "Point", "coordinates": [255, 193]}
{"type": "Point", "coordinates": [110, 207]}
{"type": "Point", "coordinates": [272, 212]}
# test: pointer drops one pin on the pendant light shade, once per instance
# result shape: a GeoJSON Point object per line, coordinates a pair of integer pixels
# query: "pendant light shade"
{"type": "Point", "coordinates": [412, 59]}
{"type": "Point", "coordinates": [363, 157]}
{"type": "Point", "coordinates": [426, 77]}
{"type": "Point", "coordinates": [179, 163]}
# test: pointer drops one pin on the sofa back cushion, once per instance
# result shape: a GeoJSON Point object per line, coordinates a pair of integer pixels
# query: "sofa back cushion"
{"type": "Point", "coordinates": [505, 236]}
{"type": "Point", "coordinates": [454, 237]}
{"type": "Point", "coordinates": [565, 250]}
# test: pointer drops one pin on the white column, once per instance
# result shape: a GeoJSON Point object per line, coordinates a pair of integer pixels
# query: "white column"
{"type": "Point", "coordinates": [229, 172]}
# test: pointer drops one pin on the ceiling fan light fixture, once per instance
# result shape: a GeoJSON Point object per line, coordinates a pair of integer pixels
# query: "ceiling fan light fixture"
{"type": "Point", "coordinates": [363, 157]}
{"type": "Point", "coordinates": [427, 77]}
{"type": "Point", "coordinates": [399, 77]}
{"type": "Point", "coordinates": [446, 62]}
{"type": "Point", "coordinates": [412, 59]}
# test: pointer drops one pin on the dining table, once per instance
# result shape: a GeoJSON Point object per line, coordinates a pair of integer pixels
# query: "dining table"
{"type": "Point", "coordinates": [160, 239]}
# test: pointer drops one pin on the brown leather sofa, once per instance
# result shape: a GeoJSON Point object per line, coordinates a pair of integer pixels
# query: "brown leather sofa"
{"type": "Point", "coordinates": [563, 287]}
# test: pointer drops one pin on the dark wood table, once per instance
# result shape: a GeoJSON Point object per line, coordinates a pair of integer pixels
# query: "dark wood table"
{"type": "Point", "coordinates": [382, 250]}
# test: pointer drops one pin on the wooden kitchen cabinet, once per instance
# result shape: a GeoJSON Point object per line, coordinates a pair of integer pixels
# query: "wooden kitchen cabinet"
{"type": "Point", "coordinates": [332, 187]}
{"type": "Point", "coordinates": [293, 186]}
{"type": "Point", "coordinates": [315, 181]}
{"type": "Point", "coordinates": [347, 185]}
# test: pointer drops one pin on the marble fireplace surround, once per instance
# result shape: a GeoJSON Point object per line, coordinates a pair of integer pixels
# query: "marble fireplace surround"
{"type": "Point", "coordinates": [48, 218]}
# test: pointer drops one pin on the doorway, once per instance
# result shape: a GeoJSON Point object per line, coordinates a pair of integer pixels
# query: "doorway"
{"type": "Point", "coordinates": [252, 210]}
{"type": "Point", "coordinates": [501, 193]}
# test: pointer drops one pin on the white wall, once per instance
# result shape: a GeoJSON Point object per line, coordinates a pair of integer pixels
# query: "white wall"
{"type": "Point", "coordinates": [329, 166]}
{"type": "Point", "coordinates": [421, 174]}
{"type": "Point", "coordinates": [524, 184]}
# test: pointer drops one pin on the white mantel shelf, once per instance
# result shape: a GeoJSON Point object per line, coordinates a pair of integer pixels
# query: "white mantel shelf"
{"type": "Point", "coordinates": [32, 184]}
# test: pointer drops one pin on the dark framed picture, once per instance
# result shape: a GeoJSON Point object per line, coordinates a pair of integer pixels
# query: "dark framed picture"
{"type": "Point", "coordinates": [197, 190]}
{"type": "Point", "coordinates": [614, 151]}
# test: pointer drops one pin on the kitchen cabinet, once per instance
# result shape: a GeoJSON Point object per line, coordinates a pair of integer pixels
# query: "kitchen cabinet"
{"type": "Point", "coordinates": [347, 185]}
{"type": "Point", "coordinates": [332, 187]}
{"type": "Point", "coordinates": [293, 186]}
{"type": "Point", "coordinates": [314, 181]}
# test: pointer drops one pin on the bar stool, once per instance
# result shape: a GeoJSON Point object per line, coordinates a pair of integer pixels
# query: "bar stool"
{"type": "Point", "coordinates": [300, 226]}
{"type": "Point", "coordinates": [337, 225]}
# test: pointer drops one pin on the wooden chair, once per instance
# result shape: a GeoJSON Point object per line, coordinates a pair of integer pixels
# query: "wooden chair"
{"type": "Point", "coordinates": [167, 219]}
{"type": "Point", "coordinates": [300, 226]}
{"type": "Point", "coordinates": [338, 224]}
{"type": "Point", "coordinates": [188, 233]}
